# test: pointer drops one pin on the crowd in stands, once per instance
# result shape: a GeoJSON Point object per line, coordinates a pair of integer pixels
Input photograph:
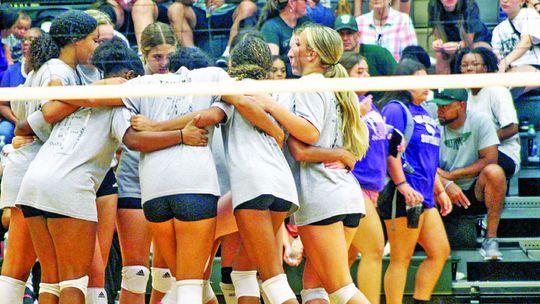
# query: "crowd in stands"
{"type": "Point", "coordinates": [355, 167]}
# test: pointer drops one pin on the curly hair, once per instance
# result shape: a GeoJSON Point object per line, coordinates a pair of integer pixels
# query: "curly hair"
{"type": "Point", "coordinates": [113, 58]}
{"type": "Point", "coordinates": [42, 49]}
{"type": "Point", "coordinates": [71, 27]}
{"type": "Point", "coordinates": [189, 57]}
{"type": "Point", "coordinates": [251, 58]}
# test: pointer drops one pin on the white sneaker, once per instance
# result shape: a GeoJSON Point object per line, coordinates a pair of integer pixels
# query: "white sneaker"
{"type": "Point", "coordinates": [490, 250]}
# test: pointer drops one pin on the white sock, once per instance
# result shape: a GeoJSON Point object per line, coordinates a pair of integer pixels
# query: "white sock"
{"type": "Point", "coordinates": [226, 53]}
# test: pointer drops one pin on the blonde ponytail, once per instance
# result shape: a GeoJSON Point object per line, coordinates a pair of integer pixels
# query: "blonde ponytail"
{"type": "Point", "coordinates": [327, 43]}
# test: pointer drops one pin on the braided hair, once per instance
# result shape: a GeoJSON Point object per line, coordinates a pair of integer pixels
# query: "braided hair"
{"type": "Point", "coordinates": [42, 49]}
{"type": "Point", "coordinates": [251, 58]}
{"type": "Point", "coordinates": [71, 27]}
{"type": "Point", "coordinates": [189, 57]}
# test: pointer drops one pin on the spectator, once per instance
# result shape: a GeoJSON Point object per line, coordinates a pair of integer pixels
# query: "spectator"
{"type": "Point", "coordinates": [187, 16]}
{"type": "Point", "coordinates": [497, 103]}
{"type": "Point", "coordinates": [319, 13]}
{"type": "Point", "coordinates": [534, 4]}
{"type": "Point", "coordinates": [7, 20]}
{"type": "Point", "coordinates": [516, 40]}
{"type": "Point", "coordinates": [413, 182]}
{"type": "Point", "coordinates": [18, 30]}
{"type": "Point", "coordinates": [279, 70]}
{"type": "Point", "coordinates": [143, 12]}
{"type": "Point", "coordinates": [468, 164]}
{"type": "Point", "coordinates": [386, 27]}
{"type": "Point", "coordinates": [456, 24]}
{"type": "Point", "coordinates": [277, 22]}
{"type": "Point", "coordinates": [418, 53]}
{"type": "Point", "coordinates": [379, 59]}
{"type": "Point", "coordinates": [403, 6]}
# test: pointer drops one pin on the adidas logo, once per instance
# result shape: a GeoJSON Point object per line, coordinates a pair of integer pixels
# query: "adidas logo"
{"type": "Point", "coordinates": [167, 275]}
{"type": "Point", "coordinates": [101, 295]}
{"type": "Point", "coordinates": [140, 273]}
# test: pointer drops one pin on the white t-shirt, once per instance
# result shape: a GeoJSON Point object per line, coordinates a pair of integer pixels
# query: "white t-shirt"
{"type": "Point", "coordinates": [497, 103]}
{"type": "Point", "coordinates": [504, 39]}
{"type": "Point", "coordinates": [179, 169]}
{"type": "Point", "coordinates": [460, 147]}
{"type": "Point", "coordinates": [324, 192]}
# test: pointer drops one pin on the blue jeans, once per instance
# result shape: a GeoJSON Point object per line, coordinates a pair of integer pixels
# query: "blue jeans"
{"type": "Point", "coordinates": [6, 129]}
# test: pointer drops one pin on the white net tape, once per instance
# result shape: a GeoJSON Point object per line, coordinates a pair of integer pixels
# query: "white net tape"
{"type": "Point", "coordinates": [274, 86]}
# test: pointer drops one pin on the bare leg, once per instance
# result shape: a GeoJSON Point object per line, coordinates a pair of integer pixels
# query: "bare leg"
{"type": "Point", "coordinates": [135, 238]}
{"type": "Point", "coordinates": [183, 21]}
{"type": "Point", "coordinates": [20, 256]}
{"type": "Point", "coordinates": [491, 188]}
{"type": "Point", "coordinates": [435, 242]}
{"type": "Point", "coordinates": [244, 10]}
{"type": "Point", "coordinates": [144, 12]}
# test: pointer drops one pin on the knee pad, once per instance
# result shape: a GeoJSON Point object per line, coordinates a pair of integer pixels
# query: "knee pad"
{"type": "Point", "coordinates": [189, 291]}
{"type": "Point", "coordinates": [208, 292]}
{"type": "Point", "coordinates": [161, 279]}
{"type": "Point", "coordinates": [228, 293]}
{"type": "Point", "coordinates": [50, 288]}
{"type": "Point", "coordinates": [80, 283]}
{"type": "Point", "coordinates": [344, 294]}
{"type": "Point", "coordinates": [245, 283]}
{"type": "Point", "coordinates": [277, 289]}
{"type": "Point", "coordinates": [314, 293]}
{"type": "Point", "coordinates": [170, 296]}
{"type": "Point", "coordinates": [11, 290]}
{"type": "Point", "coordinates": [96, 296]}
{"type": "Point", "coordinates": [135, 278]}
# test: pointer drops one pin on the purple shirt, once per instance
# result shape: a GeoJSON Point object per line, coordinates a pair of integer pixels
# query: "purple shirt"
{"type": "Point", "coordinates": [370, 171]}
{"type": "Point", "coordinates": [3, 61]}
{"type": "Point", "coordinates": [13, 76]}
{"type": "Point", "coordinates": [422, 151]}
{"type": "Point", "coordinates": [321, 15]}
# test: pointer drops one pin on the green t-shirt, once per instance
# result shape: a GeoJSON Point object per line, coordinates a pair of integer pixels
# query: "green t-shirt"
{"type": "Point", "coordinates": [380, 62]}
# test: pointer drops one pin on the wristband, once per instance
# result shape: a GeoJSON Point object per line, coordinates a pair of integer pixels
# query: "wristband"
{"type": "Point", "coordinates": [181, 137]}
{"type": "Point", "coordinates": [448, 183]}
{"type": "Point", "coordinates": [401, 183]}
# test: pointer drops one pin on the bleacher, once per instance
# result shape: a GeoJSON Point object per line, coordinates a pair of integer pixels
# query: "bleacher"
{"type": "Point", "coordinates": [466, 278]}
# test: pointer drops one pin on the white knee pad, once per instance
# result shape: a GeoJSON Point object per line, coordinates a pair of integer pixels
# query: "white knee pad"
{"type": "Point", "coordinates": [162, 279]}
{"type": "Point", "coordinates": [344, 294]}
{"type": "Point", "coordinates": [135, 278]}
{"type": "Point", "coordinates": [189, 291]}
{"type": "Point", "coordinates": [96, 296]}
{"type": "Point", "coordinates": [228, 293]}
{"type": "Point", "coordinates": [170, 296]}
{"type": "Point", "coordinates": [208, 292]}
{"type": "Point", "coordinates": [245, 283]}
{"type": "Point", "coordinates": [277, 289]}
{"type": "Point", "coordinates": [314, 293]}
{"type": "Point", "coordinates": [80, 283]}
{"type": "Point", "coordinates": [11, 290]}
{"type": "Point", "coordinates": [50, 288]}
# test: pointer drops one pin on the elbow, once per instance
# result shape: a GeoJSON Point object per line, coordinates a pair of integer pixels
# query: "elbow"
{"type": "Point", "coordinates": [51, 117]}
{"type": "Point", "coordinates": [297, 153]}
{"type": "Point", "coordinates": [132, 141]}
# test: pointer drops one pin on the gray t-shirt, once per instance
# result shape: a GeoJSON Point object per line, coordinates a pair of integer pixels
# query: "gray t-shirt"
{"type": "Point", "coordinates": [128, 174]}
{"type": "Point", "coordinates": [460, 147]}
{"type": "Point", "coordinates": [88, 74]}
{"type": "Point", "coordinates": [324, 192]}
{"type": "Point", "coordinates": [257, 165]}
{"type": "Point", "coordinates": [179, 169]}
{"type": "Point", "coordinates": [69, 168]}
{"type": "Point", "coordinates": [222, 167]}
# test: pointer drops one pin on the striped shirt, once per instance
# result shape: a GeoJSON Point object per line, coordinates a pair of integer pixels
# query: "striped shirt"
{"type": "Point", "coordinates": [396, 34]}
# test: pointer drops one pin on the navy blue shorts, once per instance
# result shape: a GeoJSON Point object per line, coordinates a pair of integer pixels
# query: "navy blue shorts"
{"type": "Point", "coordinates": [349, 220]}
{"type": "Point", "coordinates": [129, 203]}
{"type": "Point", "coordinates": [183, 207]}
{"type": "Point", "coordinates": [33, 212]}
{"type": "Point", "coordinates": [266, 202]}
{"type": "Point", "coordinates": [108, 185]}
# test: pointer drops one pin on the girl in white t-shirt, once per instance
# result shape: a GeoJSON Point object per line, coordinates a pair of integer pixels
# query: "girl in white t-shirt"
{"type": "Point", "coordinates": [516, 40]}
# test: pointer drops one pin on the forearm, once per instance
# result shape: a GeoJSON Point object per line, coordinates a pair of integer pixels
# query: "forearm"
{"type": "Point", "coordinates": [54, 111]}
{"type": "Point", "coordinates": [297, 126]}
{"type": "Point", "coordinates": [520, 49]}
{"type": "Point", "coordinates": [507, 132]}
{"type": "Point", "coordinates": [256, 115]}
{"type": "Point", "coordinates": [22, 128]}
{"type": "Point", "coordinates": [439, 186]}
{"type": "Point", "coordinates": [146, 141]}
{"type": "Point", "coordinates": [5, 111]}
{"type": "Point", "coordinates": [208, 117]}
{"type": "Point", "coordinates": [471, 170]}
{"type": "Point", "coordinates": [395, 170]}
{"type": "Point", "coordinates": [311, 154]}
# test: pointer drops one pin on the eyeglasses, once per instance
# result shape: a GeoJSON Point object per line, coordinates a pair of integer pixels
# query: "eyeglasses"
{"type": "Point", "coordinates": [474, 65]}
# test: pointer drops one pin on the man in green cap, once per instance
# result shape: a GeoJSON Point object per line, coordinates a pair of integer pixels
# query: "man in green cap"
{"type": "Point", "coordinates": [380, 60]}
{"type": "Point", "coordinates": [468, 164]}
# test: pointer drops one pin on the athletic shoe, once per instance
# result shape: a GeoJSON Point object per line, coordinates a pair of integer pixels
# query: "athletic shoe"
{"type": "Point", "coordinates": [28, 296]}
{"type": "Point", "coordinates": [222, 62]}
{"type": "Point", "coordinates": [490, 250]}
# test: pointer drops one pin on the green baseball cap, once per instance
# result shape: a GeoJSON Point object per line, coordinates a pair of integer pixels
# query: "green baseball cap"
{"type": "Point", "coordinates": [345, 22]}
{"type": "Point", "coordinates": [448, 96]}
